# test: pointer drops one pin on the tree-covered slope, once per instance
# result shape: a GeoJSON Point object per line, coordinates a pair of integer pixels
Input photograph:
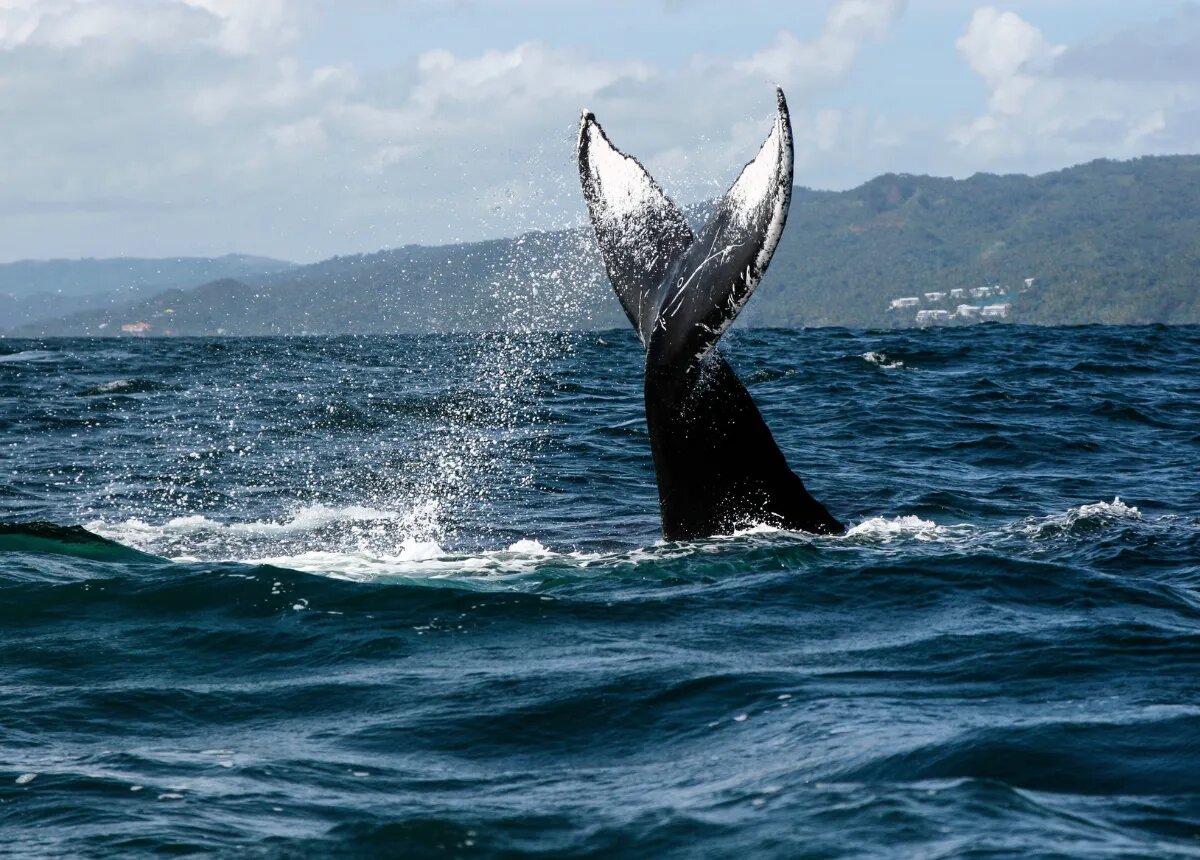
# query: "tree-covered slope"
{"type": "Point", "coordinates": [1113, 242]}
{"type": "Point", "coordinates": [1107, 242]}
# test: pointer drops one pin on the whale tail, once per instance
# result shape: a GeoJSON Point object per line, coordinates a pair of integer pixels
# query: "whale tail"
{"type": "Point", "coordinates": [717, 465]}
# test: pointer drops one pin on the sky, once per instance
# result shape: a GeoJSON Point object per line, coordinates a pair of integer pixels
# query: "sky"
{"type": "Point", "coordinates": [303, 129]}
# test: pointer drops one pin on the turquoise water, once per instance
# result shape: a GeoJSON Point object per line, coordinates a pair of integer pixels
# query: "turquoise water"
{"type": "Point", "coordinates": [407, 597]}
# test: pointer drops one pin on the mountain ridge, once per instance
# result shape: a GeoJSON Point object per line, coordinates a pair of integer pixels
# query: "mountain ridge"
{"type": "Point", "coordinates": [30, 288]}
{"type": "Point", "coordinates": [1106, 241]}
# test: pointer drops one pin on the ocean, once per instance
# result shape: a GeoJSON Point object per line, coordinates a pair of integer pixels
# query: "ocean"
{"type": "Point", "coordinates": [407, 596]}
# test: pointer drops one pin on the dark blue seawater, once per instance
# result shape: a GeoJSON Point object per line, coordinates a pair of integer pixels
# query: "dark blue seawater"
{"type": "Point", "coordinates": [406, 597]}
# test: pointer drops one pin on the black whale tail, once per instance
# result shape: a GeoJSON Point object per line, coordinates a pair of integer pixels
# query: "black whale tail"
{"type": "Point", "coordinates": [717, 465]}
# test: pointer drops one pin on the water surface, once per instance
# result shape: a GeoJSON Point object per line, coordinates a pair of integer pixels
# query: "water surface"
{"type": "Point", "coordinates": [407, 596]}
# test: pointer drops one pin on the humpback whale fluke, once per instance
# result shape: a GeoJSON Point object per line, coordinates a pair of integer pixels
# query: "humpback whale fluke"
{"type": "Point", "coordinates": [717, 465]}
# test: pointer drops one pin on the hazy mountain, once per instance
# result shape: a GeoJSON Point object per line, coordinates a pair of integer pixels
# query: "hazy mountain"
{"type": "Point", "coordinates": [32, 290]}
{"type": "Point", "coordinates": [1112, 242]}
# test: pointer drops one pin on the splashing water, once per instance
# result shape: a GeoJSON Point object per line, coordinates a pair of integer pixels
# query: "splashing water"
{"type": "Point", "coordinates": [396, 595]}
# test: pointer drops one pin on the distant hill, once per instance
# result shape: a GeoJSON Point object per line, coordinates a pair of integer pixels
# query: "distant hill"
{"type": "Point", "coordinates": [1108, 242]}
{"type": "Point", "coordinates": [31, 290]}
{"type": "Point", "coordinates": [541, 280]}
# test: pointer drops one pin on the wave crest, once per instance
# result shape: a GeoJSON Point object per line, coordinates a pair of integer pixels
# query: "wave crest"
{"type": "Point", "coordinates": [884, 528]}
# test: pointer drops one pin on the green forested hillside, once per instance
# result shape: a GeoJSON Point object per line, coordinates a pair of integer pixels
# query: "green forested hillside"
{"type": "Point", "coordinates": [1108, 242]}
{"type": "Point", "coordinates": [1105, 242]}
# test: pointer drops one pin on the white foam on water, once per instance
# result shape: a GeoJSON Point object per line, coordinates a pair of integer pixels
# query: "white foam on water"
{"type": "Point", "coordinates": [529, 547]}
{"type": "Point", "coordinates": [1085, 517]}
{"type": "Point", "coordinates": [32, 355]}
{"type": "Point", "coordinates": [880, 360]}
{"type": "Point", "coordinates": [424, 560]}
{"type": "Point", "coordinates": [1115, 508]}
{"type": "Point", "coordinates": [110, 387]}
{"type": "Point", "coordinates": [375, 543]}
{"type": "Point", "coordinates": [135, 531]}
{"type": "Point", "coordinates": [904, 526]}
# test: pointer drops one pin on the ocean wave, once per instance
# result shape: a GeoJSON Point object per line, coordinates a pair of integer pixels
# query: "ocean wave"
{"type": "Point", "coordinates": [413, 558]}
{"type": "Point", "coordinates": [53, 539]}
{"type": "Point", "coordinates": [363, 543]}
{"type": "Point", "coordinates": [886, 529]}
{"type": "Point", "coordinates": [880, 360]}
{"type": "Point", "coordinates": [304, 519]}
{"type": "Point", "coordinates": [1058, 756]}
{"type": "Point", "coordinates": [454, 620]}
{"type": "Point", "coordinates": [1080, 521]}
{"type": "Point", "coordinates": [30, 355]}
{"type": "Point", "coordinates": [124, 386]}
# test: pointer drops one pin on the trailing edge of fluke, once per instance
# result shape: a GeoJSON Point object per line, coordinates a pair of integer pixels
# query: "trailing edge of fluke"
{"type": "Point", "coordinates": [717, 465]}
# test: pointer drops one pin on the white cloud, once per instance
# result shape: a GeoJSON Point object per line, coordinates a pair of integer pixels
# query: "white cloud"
{"type": "Point", "coordinates": [791, 61]}
{"type": "Point", "coordinates": [198, 126]}
{"type": "Point", "coordinates": [202, 126]}
{"type": "Point", "coordinates": [1000, 46]}
{"type": "Point", "coordinates": [246, 25]}
{"type": "Point", "coordinates": [177, 126]}
{"type": "Point", "coordinates": [1051, 105]}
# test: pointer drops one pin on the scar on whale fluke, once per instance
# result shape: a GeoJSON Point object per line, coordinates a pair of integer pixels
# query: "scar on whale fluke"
{"type": "Point", "coordinates": [717, 465]}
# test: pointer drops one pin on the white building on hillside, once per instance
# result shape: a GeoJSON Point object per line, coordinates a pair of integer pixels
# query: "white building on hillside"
{"type": "Point", "coordinates": [967, 311]}
{"type": "Point", "coordinates": [932, 317]}
{"type": "Point", "coordinates": [906, 302]}
{"type": "Point", "coordinates": [994, 312]}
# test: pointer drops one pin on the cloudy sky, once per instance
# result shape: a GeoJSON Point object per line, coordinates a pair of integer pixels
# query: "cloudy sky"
{"type": "Point", "coordinates": [306, 128]}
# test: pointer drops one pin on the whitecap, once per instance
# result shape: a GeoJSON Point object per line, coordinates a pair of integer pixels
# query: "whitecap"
{"type": "Point", "coordinates": [529, 546]}
{"type": "Point", "coordinates": [111, 387]}
{"type": "Point", "coordinates": [1081, 518]}
{"type": "Point", "coordinates": [139, 533]}
{"type": "Point", "coordinates": [881, 527]}
{"type": "Point", "coordinates": [32, 355]}
{"type": "Point", "coordinates": [1115, 508]}
{"type": "Point", "coordinates": [880, 360]}
{"type": "Point", "coordinates": [417, 559]}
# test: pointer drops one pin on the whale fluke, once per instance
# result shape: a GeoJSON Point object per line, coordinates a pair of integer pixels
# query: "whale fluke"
{"type": "Point", "coordinates": [640, 230]}
{"type": "Point", "coordinates": [717, 465]}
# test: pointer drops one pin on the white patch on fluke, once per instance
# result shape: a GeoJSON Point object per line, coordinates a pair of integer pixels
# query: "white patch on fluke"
{"type": "Point", "coordinates": [758, 184]}
{"type": "Point", "coordinates": [622, 188]}
{"type": "Point", "coordinates": [764, 185]}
